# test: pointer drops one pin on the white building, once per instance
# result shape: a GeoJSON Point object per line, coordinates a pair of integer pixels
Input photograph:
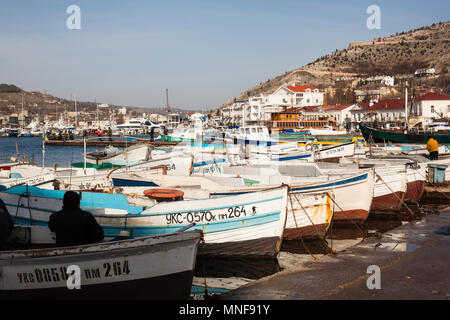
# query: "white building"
{"type": "Point", "coordinates": [431, 106]}
{"type": "Point", "coordinates": [386, 80]}
{"type": "Point", "coordinates": [424, 72]}
{"type": "Point", "coordinates": [234, 113]}
{"type": "Point", "coordinates": [298, 96]}
{"type": "Point", "coordinates": [346, 113]}
{"type": "Point", "coordinates": [259, 108]}
{"type": "Point", "coordinates": [387, 112]}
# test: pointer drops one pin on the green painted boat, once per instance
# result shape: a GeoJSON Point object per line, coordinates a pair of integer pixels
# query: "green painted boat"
{"type": "Point", "coordinates": [168, 138]}
{"type": "Point", "coordinates": [103, 166]}
{"type": "Point", "coordinates": [379, 135]}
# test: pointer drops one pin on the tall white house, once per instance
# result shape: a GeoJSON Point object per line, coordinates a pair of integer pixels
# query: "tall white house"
{"type": "Point", "coordinates": [299, 96]}
{"type": "Point", "coordinates": [258, 109]}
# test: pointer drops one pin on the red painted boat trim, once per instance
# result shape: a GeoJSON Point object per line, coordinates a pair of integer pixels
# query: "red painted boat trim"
{"type": "Point", "coordinates": [257, 248]}
{"type": "Point", "coordinates": [307, 232]}
{"type": "Point", "coordinates": [350, 216]}
{"type": "Point", "coordinates": [388, 201]}
{"type": "Point", "coordinates": [414, 190]}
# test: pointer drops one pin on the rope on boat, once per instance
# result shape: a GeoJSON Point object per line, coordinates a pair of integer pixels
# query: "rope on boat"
{"type": "Point", "coordinates": [304, 210]}
{"type": "Point", "coordinates": [401, 200]}
{"type": "Point", "coordinates": [415, 169]}
{"type": "Point", "coordinates": [296, 225]}
{"type": "Point", "coordinates": [351, 220]}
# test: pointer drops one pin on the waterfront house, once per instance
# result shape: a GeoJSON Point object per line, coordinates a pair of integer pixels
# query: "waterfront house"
{"type": "Point", "coordinates": [300, 96]}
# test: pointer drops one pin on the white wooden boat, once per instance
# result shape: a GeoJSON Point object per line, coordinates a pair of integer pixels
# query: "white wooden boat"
{"type": "Point", "coordinates": [390, 188]}
{"type": "Point", "coordinates": [309, 215]}
{"type": "Point", "coordinates": [415, 182]}
{"type": "Point", "coordinates": [76, 179]}
{"type": "Point", "coordinates": [131, 155]}
{"type": "Point", "coordinates": [241, 225]}
{"type": "Point", "coordinates": [335, 152]}
{"type": "Point", "coordinates": [39, 179]}
{"type": "Point", "coordinates": [156, 267]}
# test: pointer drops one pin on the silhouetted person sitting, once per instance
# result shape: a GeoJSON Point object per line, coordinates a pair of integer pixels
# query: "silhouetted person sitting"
{"type": "Point", "coordinates": [74, 226]}
{"type": "Point", "coordinates": [6, 226]}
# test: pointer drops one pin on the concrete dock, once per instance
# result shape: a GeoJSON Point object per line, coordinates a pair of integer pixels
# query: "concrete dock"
{"type": "Point", "coordinates": [414, 263]}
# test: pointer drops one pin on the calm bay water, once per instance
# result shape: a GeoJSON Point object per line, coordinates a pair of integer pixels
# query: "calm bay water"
{"type": "Point", "coordinates": [62, 156]}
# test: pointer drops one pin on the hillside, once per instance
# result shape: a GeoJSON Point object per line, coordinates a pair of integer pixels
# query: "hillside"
{"type": "Point", "coordinates": [400, 54]}
{"type": "Point", "coordinates": [51, 107]}
{"type": "Point", "coordinates": [43, 104]}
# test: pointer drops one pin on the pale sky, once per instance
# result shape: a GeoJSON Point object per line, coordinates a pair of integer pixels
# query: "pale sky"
{"type": "Point", "coordinates": [205, 52]}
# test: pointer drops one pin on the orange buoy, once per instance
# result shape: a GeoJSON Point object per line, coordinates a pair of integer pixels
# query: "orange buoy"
{"type": "Point", "coordinates": [164, 194]}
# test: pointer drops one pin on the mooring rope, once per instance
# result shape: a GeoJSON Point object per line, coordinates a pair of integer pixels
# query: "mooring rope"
{"type": "Point", "coordinates": [351, 220]}
{"type": "Point", "coordinates": [304, 210]}
{"type": "Point", "coordinates": [433, 185]}
{"type": "Point", "coordinates": [301, 237]}
{"type": "Point", "coordinates": [401, 200]}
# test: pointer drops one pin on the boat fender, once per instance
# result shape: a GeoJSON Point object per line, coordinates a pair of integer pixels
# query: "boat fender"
{"type": "Point", "coordinates": [164, 194]}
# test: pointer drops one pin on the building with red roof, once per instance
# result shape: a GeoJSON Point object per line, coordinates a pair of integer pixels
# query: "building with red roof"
{"type": "Point", "coordinates": [301, 96]}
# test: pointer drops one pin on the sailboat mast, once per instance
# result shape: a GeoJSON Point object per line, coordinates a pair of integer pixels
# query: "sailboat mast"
{"type": "Point", "coordinates": [167, 105]}
{"type": "Point", "coordinates": [76, 113]}
{"type": "Point", "coordinates": [406, 109]}
{"type": "Point", "coordinates": [23, 116]}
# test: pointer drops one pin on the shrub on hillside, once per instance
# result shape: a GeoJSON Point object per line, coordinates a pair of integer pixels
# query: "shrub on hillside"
{"type": "Point", "coordinates": [9, 88]}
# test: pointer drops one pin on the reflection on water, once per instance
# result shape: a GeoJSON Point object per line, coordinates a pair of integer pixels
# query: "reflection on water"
{"type": "Point", "coordinates": [221, 275]}
{"type": "Point", "coordinates": [234, 267]}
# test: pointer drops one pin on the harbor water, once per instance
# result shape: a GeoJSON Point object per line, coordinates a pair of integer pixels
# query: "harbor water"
{"type": "Point", "coordinates": [62, 156]}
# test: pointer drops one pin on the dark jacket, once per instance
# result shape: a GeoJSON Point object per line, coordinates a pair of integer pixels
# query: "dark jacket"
{"type": "Point", "coordinates": [6, 226]}
{"type": "Point", "coordinates": [74, 227]}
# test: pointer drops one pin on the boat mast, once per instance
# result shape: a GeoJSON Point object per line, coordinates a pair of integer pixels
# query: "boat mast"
{"type": "Point", "coordinates": [43, 153]}
{"type": "Point", "coordinates": [406, 107]}
{"type": "Point", "coordinates": [23, 118]}
{"type": "Point", "coordinates": [167, 104]}
{"type": "Point", "coordinates": [76, 113]}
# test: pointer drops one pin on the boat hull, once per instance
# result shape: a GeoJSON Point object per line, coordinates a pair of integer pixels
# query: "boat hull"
{"type": "Point", "coordinates": [388, 201]}
{"type": "Point", "coordinates": [316, 231]}
{"type": "Point", "coordinates": [390, 188]}
{"type": "Point", "coordinates": [415, 183]}
{"type": "Point", "coordinates": [170, 287]}
{"type": "Point", "coordinates": [390, 136]}
{"type": "Point", "coordinates": [347, 207]}
{"type": "Point", "coordinates": [227, 221]}
{"type": "Point", "coordinates": [128, 269]}
{"type": "Point", "coordinates": [309, 216]}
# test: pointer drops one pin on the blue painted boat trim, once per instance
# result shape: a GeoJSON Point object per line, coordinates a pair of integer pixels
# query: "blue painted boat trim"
{"type": "Point", "coordinates": [333, 184]}
{"type": "Point", "coordinates": [304, 156]}
{"type": "Point", "coordinates": [88, 199]}
{"type": "Point", "coordinates": [204, 163]}
{"type": "Point", "coordinates": [211, 227]}
{"type": "Point", "coordinates": [159, 213]}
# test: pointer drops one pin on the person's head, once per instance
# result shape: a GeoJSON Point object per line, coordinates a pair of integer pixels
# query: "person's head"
{"type": "Point", "coordinates": [71, 199]}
